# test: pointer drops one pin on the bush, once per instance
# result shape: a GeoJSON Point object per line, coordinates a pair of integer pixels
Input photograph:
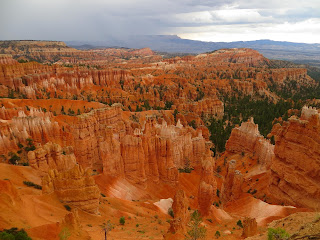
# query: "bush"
{"type": "Point", "coordinates": [197, 231]}
{"type": "Point", "coordinates": [217, 234]}
{"type": "Point", "coordinates": [193, 124]}
{"type": "Point", "coordinates": [170, 212]}
{"type": "Point", "coordinates": [239, 223]}
{"type": "Point", "coordinates": [14, 233]}
{"type": "Point", "coordinates": [15, 158]}
{"type": "Point", "coordinates": [218, 193]}
{"type": "Point", "coordinates": [277, 234]}
{"type": "Point", "coordinates": [67, 207]}
{"type": "Point", "coordinates": [122, 221]}
{"type": "Point", "coordinates": [31, 184]}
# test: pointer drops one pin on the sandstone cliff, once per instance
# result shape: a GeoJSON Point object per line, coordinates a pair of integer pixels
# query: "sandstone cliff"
{"type": "Point", "coordinates": [75, 187]}
{"type": "Point", "coordinates": [52, 156]}
{"type": "Point", "coordinates": [231, 187]}
{"type": "Point", "coordinates": [155, 151]}
{"type": "Point", "coordinates": [178, 226]}
{"type": "Point", "coordinates": [295, 168]}
{"type": "Point", "coordinates": [7, 59]}
{"type": "Point", "coordinates": [250, 227]}
{"type": "Point", "coordinates": [247, 139]}
{"type": "Point", "coordinates": [207, 187]}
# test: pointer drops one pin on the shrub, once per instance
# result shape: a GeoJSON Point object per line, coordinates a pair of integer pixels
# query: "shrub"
{"type": "Point", "coordinates": [277, 234]}
{"type": "Point", "coordinates": [14, 233]}
{"type": "Point", "coordinates": [170, 212]}
{"type": "Point", "coordinates": [193, 124]}
{"type": "Point", "coordinates": [197, 231]}
{"type": "Point", "coordinates": [218, 193]}
{"type": "Point", "coordinates": [31, 184]}
{"type": "Point", "coordinates": [67, 207]}
{"type": "Point", "coordinates": [122, 221]}
{"type": "Point", "coordinates": [15, 158]}
{"type": "Point", "coordinates": [239, 223]}
{"type": "Point", "coordinates": [217, 234]}
{"type": "Point", "coordinates": [64, 234]}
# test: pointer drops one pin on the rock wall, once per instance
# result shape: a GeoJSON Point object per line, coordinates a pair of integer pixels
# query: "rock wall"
{"type": "Point", "coordinates": [52, 156]}
{"type": "Point", "coordinates": [181, 214]}
{"type": "Point", "coordinates": [37, 125]}
{"type": "Point", "coordinates": [75, 187]}
{"type": "Point", "coordinates": [105, 141]}
{"type": "Point", "coordinates": [295, 175]}
{"type": "Point", "coordinates": [7, 59]}
{"type": "Point", "coordinates": [247, 139]}
{"type": "Point", "coordinates": [207, 187]}
{"type": "Point", "coordinates": [231, 187]}
{"type": "Point", "coordinates": [250, 227]}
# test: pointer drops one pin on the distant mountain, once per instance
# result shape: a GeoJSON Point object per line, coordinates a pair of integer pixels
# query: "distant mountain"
{"type": "Point", "coordinates": [297, 52]}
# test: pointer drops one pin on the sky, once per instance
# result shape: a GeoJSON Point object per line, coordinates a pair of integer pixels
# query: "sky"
{"type": "Point", "coordinates": [205, 20]}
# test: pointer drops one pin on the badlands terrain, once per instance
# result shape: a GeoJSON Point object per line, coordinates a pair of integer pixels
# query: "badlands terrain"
{"type": "Point", "coordinates": [131, 144]}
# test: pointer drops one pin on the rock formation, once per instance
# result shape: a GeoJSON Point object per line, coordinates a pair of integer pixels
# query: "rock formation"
{"type": "Point", "coordinates": [7, 59]}
{"type": "Point", "coordinates": [247, 138]}
{"type": "Point", "coordinates": [52, 156]}
{"type": "Point", "coordinates": [104, 141]}
{"type": "Point", "coordinates": [71, 220]}
{"type": "Point", "coordinates": [208, 185]}
{"type": "Point", "coordinates": [295, 169]}
{"type": "Point", "coordinates": [75, 187]}
{"type": "Point", "coordinates": [231, 187]}
{"type": "Point", "coordinates": [250, 227]}
{"type": "Point", "coordinates": [181, 215]}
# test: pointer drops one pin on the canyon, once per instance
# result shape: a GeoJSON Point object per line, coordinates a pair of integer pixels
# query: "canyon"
{"type": "Point", "coordinates": [97, 135]}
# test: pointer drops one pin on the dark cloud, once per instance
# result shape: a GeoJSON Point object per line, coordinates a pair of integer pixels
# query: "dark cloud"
{"type": "Point", "coordinates": [101, 19]}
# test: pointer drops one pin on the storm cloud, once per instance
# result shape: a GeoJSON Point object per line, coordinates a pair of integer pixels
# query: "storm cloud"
{"type": "Point", "coordinates": [207, 20]}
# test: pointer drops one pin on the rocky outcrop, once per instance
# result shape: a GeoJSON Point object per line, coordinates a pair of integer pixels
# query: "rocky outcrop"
{"type": "Point", "coordinates": [244, 56]}
{"type": "Point", "coordinates": [36, 125]}
{"type": "Point", "coordinates": [52, 156]}
{"type": "Point", "coordinates": [7, 59]}
{"type": "Point", "coordinates": [181, 215]}
{"type": "Point", "coordinates": [91, 132]}
{"type": "Point", "coordinates": [207, 187]}
{"type": "Point", "coordinates": [231, 187]}
{"type": "Point", "coordinates": [205, 107]}
{"type": "Point", "coordinates": [250, 227]}
{"type": "Point", "coordinates": [247, 139]}
{"type": "Point", "coordinates": [105, 141]}
{"type": "Point", "coordinates": [71, 220]}
{"type": "Point", "coordinates": [295, 169]}
{"type": "Point", "coordinates": [75, 187]}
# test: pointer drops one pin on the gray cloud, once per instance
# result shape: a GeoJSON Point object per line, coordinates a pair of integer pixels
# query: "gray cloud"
{"type": "Point", "coordinates": [101, 19]}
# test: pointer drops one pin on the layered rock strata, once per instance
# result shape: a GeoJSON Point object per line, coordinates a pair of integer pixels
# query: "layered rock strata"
{"type": "Point", "coordinates": [181, 215]}
{"type": "Point", "coordinates": [75, 187]}
{"type": "Point", "coordinates": [52, 156]}
{"type": "Point", "coordinates": [247, 139]}
{"type": "Point", "coordinates": [231, 187]}
{"type": "Point", "coordinates": [155, 151]}
{"type": "Point", "coordinates": [207, 187]}
{"type": "Point", "coordinates": [250, 227]}
{"type": "Point", "coordinates": [295, 175]}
